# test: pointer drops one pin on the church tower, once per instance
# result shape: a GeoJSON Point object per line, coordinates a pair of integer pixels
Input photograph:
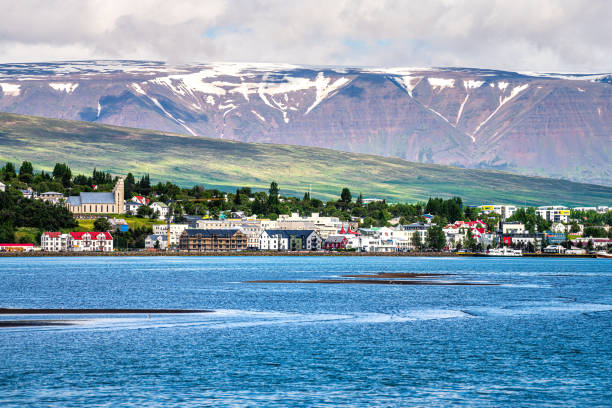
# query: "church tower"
{"type": "Point", "coordinates": [119, 196]}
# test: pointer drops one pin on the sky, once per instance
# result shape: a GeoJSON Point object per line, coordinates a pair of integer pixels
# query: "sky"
{"type": "Point", "coordinates": [535, 35]}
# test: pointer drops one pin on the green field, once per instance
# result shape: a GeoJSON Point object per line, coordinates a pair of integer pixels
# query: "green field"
{"type": "Point", "coordinates": [188, 160]}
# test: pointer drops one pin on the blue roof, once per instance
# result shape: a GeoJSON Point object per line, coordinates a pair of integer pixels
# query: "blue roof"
{"type": "Point", "coordinates": [74, 201]}
{"type": "Point", "coordinates": [97, 198]}
{"type": "Point", "coordinates": [289, 233]}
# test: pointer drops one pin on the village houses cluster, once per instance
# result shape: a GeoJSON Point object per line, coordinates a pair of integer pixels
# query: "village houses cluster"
{"type": "Point", "coordinates": [295, 232]}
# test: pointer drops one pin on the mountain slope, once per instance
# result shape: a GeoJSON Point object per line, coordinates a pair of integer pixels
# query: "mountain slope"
{"type": "Point", "coordinates": [536, 124]}
{"type": "Point", "coordinates": [195, 160]}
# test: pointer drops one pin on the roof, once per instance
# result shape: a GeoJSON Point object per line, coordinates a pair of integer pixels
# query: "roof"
{"type": "Point", "coordinates": [290, 233]}
{"type": "Point", "coordinates": [97, 198]}
{"type": "Point", "coordinates": [223, 233]}
{"type": "Point", "coordinates": [51, 193]}
{"type": "Point", "coordinates": [133, 203]}
{"type": "Point", "coordinates": [53, 234]}
{"type": "Point", "coordinates": [94, 235]}
{"type": "Point", "coordinates": [335, 239]}
{"type": "Point", "coordinates": [74, 201]}
{"type": "Point", "coordinates": [159, 203]}
{"type": "Point", "coordinates": [156, 237]}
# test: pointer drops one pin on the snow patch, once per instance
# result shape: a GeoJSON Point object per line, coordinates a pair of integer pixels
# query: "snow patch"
{"type": "Point", "coordinates": [502, 85]}
{"type": "Point", "coordinates": [324, 88]}
{"type": "Point", "coordinates": [467, 96]}
{"type": "Point", "coordinates": [67, 87]}
{"type": "Point", "coordinates": [409, 82]}
{"type": "Point", "coordinates": [472, 84]}
{"type": "Point", "coordinates": [580, 89]}
{"type": "Point", "coordinates": [441, 83]}
{"type": "Point", "coordinates": [10, 89]}
{"type": "Point", "coordinates": [99, 109]}
{"type": "Point", "coordinates": [210, 100]}
{"type": "Point", "coordinates": [138, 89]}
{"type": "Point", "coordinates": [258, 116]}
{"type": "Point", "coordinates": [502, 101]}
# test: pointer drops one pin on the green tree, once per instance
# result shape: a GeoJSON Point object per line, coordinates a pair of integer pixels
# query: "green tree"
{"type": "Point", "coordinates": [8, 171]}
{"type": "Point", "coordinates": [435, 238]}
{"type": "Point", "coordinates": [416, 240]}
{"type": "Point", "coordinates": [346, 196]}
{"type": "Point", "coordinates": [7, 233]}
{"type": "Point", "coordinates": [26, 172]}
{"type": "Point", "coordinates": [102, 224]}
{"type": "Point", "coordinates": [62, 173]}
{"type": "Point", "coordinates": [470, 242]}
{"type": "Point", "coordinates": [273, 201]}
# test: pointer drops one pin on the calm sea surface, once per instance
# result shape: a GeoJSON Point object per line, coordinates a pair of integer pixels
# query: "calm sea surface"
{"type": "Point", "coordinates": [543, 337]}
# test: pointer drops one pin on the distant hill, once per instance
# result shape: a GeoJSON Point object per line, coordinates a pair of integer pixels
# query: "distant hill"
{"type": "Point", "coordinates": [545, 124]}
{"type": "Point", "coordinates": [190, 160]}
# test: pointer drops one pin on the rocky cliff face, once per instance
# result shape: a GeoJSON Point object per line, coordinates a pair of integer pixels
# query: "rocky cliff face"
{"type": "Point", "coordinates": [542, 124]}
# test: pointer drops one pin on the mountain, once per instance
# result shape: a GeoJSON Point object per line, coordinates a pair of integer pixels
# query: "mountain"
{"type": "Point", "coordinates": [536, 124]}
{"type": "Point", "coordinates": [190, 160]}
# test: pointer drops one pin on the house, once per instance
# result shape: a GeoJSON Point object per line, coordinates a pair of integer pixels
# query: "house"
{"type": "Point", "coordinates": [2, 187]}
{"type": "Point", "coordinates": [554, 238]}
{"type": "Point", "coordinates": [16, 247]}
{"type": "Point", "coordinates": [140, 199]}
{"type": "Point", "coordinates": [335, 242]}
{"type": "Point", "coordinates": [98, 203]}
{"type": "Point", "coordinates": [160, 208]}
{"type": "Point", "coordinates": [575, 251]}
{"type": "Point", "coordinates": [28, 193]}
{"type": "Point", "coordinates": [559, 227]}
{"type": "Point", "coordinates": [515, 227]}
{"type": "Point", "coordinates": [131, 207]}
{"type": "Point", "coordinates": [153, 239]}
{"type": "Point", "coordinates": [213, 240]}
{"type": "Point", "coordinates": [289, 240]}
{"type": "Point", "coordinates": [90, 241]}
{"type": "Point", "coordinates": [54, 241]}
{"type": "Point", "coordinates": [51, 196]}
{"type": "Point", "coordinates": [554, 249]}
{"type": "Point", "coordinates": [175, 231]}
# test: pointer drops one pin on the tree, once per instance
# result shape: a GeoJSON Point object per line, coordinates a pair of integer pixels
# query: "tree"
{"type": "Point", "coordinates": [102, 224]}
{"type": "Point", "coordinates": [416, 240]}
{"type": "Point", "coordinates": [26, 172]}
{"type": "Point", "coordinates": [435, 238]}
{"type": "Point", "coordinates": [346, 196]}
{"type": "Point", "coordinates": [144, 211]}
{"type": "Point", "coordinates": [7, 233]}
{"type": "Point", "coordinates": [156, 246]}
{"type": "Point", "coordinates": [470, 242]}
{"type": "Point", "coordinates": [273, 202]}
{"type": "Point", "coordinates": [8, 171]}
{"type": "Point", "coordinates": [62, 173]}
{"type": "Point", "coordinates": [360, 200]}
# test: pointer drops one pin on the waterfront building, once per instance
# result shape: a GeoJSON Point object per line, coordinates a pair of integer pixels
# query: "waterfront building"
{"type": "Point", "coordinates": [54, 241]}
{"type": "Point", "coordinates": [175, 231]}
{"type": "Point", "coordinates": [335, 242]}
{"type": "Point", "coordinates": [99, 203]}
{"type": "Point", "coordinates": [289, 240]}
{"type": "Point", "coordinates": [90, 241]}
{"type": "Point", "coordinates": [213, 240]}
{"type": "Point", "coordinates": [16, 247]}
{"type": "Point", "coordinates": [152, 239]}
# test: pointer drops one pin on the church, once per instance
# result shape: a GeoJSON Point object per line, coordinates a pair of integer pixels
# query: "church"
{"type": "Point", "coordinates": [99, 203]}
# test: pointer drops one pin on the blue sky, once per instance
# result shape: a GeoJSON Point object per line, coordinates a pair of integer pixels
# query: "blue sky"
{"type": "Point", "coordinates": [543, 35]}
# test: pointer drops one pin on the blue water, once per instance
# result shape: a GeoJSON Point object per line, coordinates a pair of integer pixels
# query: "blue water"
{"type": "Point", "coordinates": [540, 338]}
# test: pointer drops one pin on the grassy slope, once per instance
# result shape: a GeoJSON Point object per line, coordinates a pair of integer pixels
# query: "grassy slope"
{"type": "Point", "coordinates": [190, 160]}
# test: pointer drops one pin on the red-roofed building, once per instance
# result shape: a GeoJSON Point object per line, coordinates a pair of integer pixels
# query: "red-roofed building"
{"type": "Point", "coordinates": [90, 241]}
{"type": "Point", "coordinates": [142, 200]}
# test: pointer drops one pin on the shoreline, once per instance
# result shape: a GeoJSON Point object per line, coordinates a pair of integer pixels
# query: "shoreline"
{"type": "Point", "coordinates": [274, 253]}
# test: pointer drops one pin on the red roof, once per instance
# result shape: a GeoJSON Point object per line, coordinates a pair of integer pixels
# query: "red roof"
{"type": "Point", "coordinates": [342, 231]}
{"type": "Point", "coordinates": [53, 234]}
{"type": "Point", "coordinates": [17, 245]}
{"type": "Point", "coordinates": [94, 235]}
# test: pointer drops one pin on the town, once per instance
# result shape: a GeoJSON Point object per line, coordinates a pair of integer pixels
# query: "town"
{"type": "Point", "coordinates": [58, 212]}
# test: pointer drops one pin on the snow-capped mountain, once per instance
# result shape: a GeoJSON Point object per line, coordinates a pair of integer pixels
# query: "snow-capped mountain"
{"type": "Point", "coordinates": [557, 125]}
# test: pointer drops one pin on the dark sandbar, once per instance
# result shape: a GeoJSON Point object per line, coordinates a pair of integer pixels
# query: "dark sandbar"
{"type": "Point", "coordinates": [401, 275]}
{"type": "Point", "coordinates": [377, 282]}
{"type": "Point", "coordinates": [34, 323]}
{"type": "Point", "coordinates": [7, 311]}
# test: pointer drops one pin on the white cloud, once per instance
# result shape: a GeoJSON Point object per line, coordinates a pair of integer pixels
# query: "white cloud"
{"type": "Point", "coordinates": [553, 35]}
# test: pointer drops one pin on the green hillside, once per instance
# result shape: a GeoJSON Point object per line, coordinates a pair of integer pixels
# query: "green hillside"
{"type": "Point", "coordinates": [189, 160]}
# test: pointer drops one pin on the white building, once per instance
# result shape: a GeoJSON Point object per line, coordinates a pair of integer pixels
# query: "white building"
{"type": "Point", "coordinates": [152, 239]}
{"type": "Point", "coordinates": [131, 207]}
{"type": "Point", "coordinates": [175, 231]}
{"type": "Point", "coordinates": [289, 240]}
{"type": "Point", "coordinates": [555, 213]}
{"type": "Point", "coordinates": [506, 211]}
{"type": "Point", "coordinates": [54, 241]}
{"type": "Point", "coordinates": [515, 227]}
{"type": "Point", "coordinates": [161, 209]}
{"type": "Point", "coordinates": [90, 241]}
{"type": "Point", "coordinates": [2, 187]}
{"type": "Point", "coordinates": [51, 196]}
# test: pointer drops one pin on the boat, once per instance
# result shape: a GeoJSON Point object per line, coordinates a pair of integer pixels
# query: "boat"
{"type": "Point", "coordinates": [603, 255]}
{"type": "Point", "coordinates": [504, 251]}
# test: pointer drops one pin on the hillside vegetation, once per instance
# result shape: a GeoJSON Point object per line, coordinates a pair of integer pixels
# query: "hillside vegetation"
{"type": "Point", "coordinates": [188, 160]}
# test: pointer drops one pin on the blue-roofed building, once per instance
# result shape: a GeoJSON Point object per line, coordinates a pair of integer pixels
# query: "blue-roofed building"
{"type": "Point", "coordinates": [98, 203]}
{"type": "Point", "coordinates": [290, 240]}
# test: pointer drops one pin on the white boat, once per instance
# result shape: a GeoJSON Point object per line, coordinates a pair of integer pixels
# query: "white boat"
{"type": "Point", "coordinates": [603, 255]}
{"type": "Point", "coordinates": [504, 251]}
